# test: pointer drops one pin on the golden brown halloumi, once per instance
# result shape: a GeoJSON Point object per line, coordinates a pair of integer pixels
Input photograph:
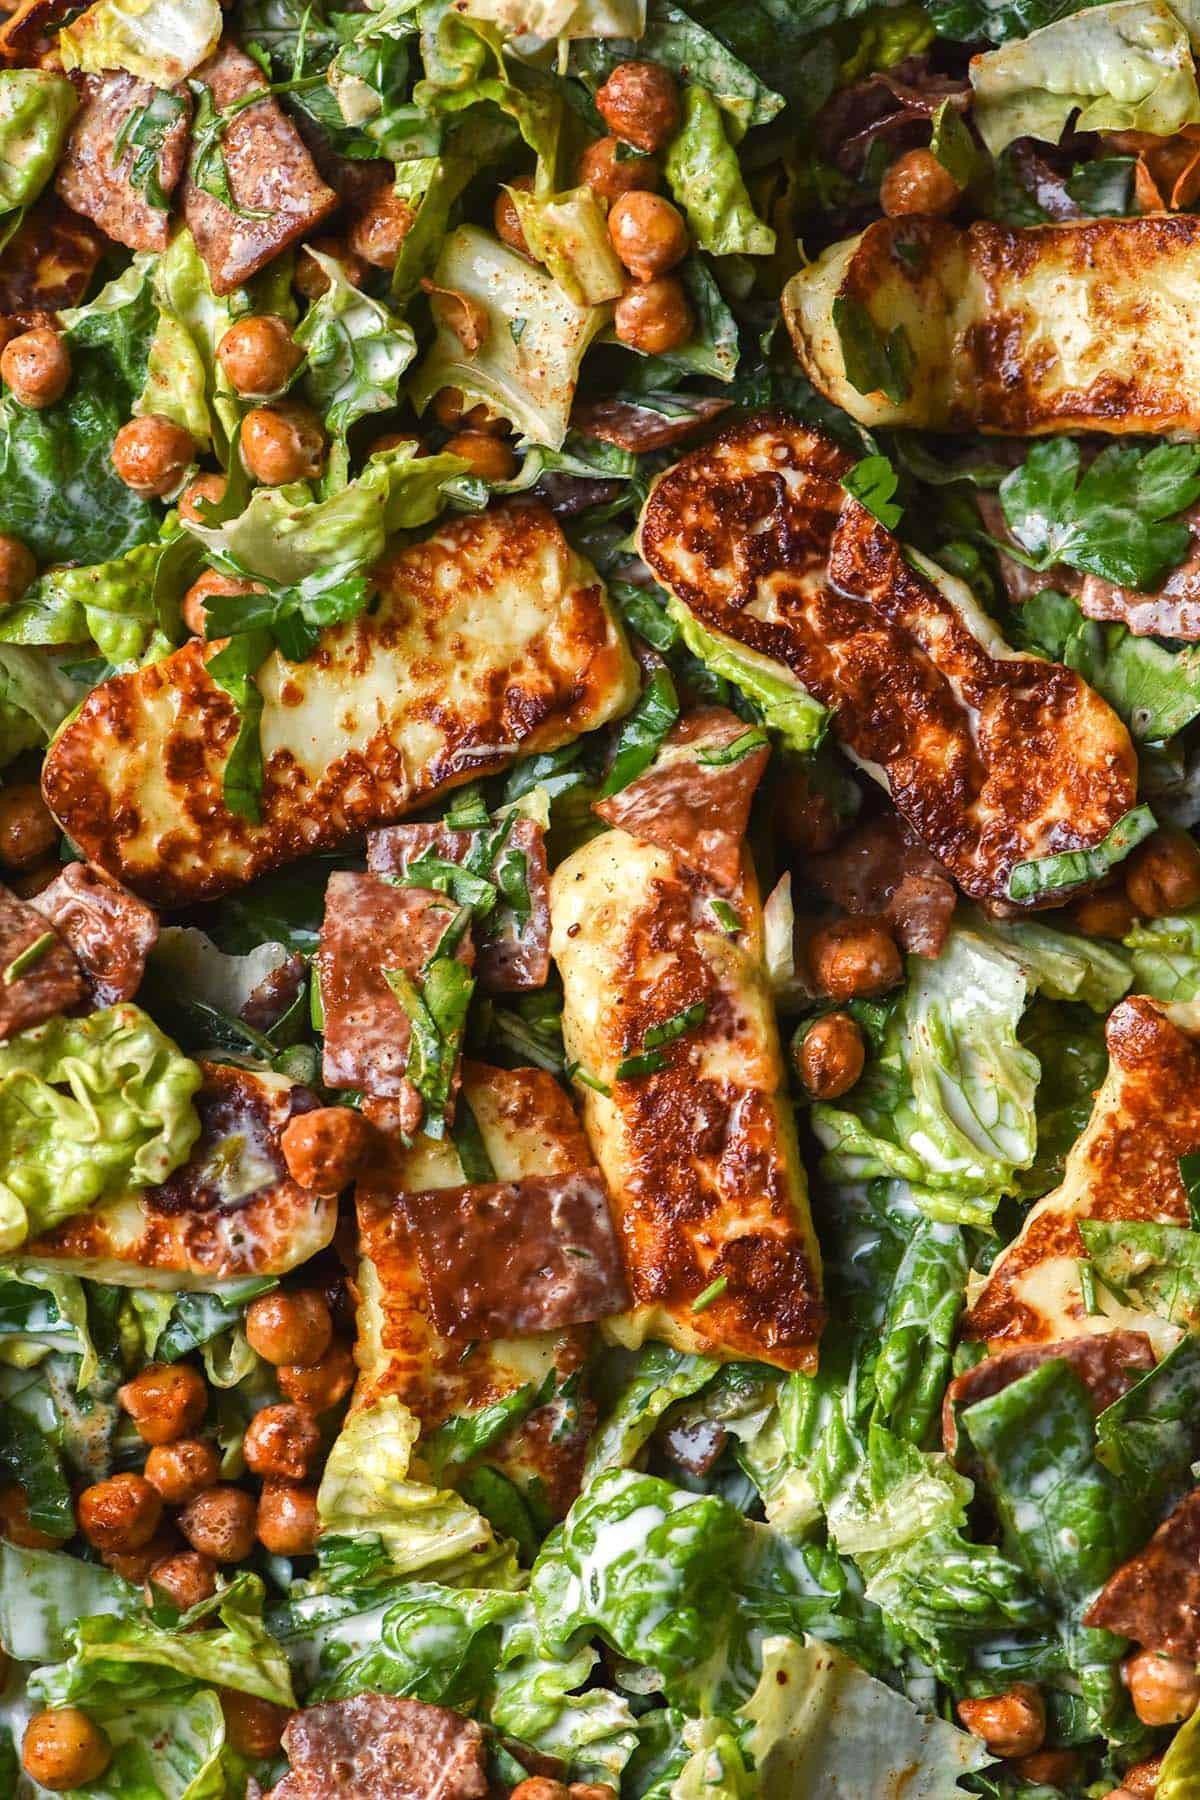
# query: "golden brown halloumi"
{"type": "Point", "coordinates": [1124, 1167]}
{"type": "Point", "coordinates": [1083, 326]}
{"type": "Point", "coordinates": [529, 1127]}
{"type": "Point", "coordinates": [700, 1156]}
{"type": "Point", "coordinates": [492, 639]}
{"type": "Point", "coordinates": [230, 1212]}
{"type": "Point", "coordinates": [994, 758]}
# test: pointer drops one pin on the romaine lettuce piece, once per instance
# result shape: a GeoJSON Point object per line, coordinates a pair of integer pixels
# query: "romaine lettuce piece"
{"type": "Point", "coordinates": [118, 605]}
{"type": "Point", "coordinates": [822, 1725]}
{"type": "Point", "coordinates": [568, 233]}
{"type": "Point", "coordinates": [1123, 67]}
{"type": "Point", "coordinates": [45, 1593]}
{"type": "Point", "coordinates": [564, 18]}
{"type": "Point", "coordinates": [695, 54]}
{"type": "Point", "coordinates": [1179, 1777]}
{"type": "Point", "coordinates": [183, 380]}
{"type": "Point", "coordinates": [1147, 1437]}
{"type": "Point", "coordinates": [367, 1491]}
{"type": "Point", "coordinates": [89, 1108]}
{"type": "Point", "coordinates": [716, 1768]}
{"type": "Point", "coordinates": [1153, 1266]}
{"type": "Point", "coordinates": [158, 40]}
{"type": "Point", "coordinates": [660, 1378]}
{"type": "Point", "coordinates": [36, 109]}
{"type": "Point", "coordinates": [950, 1103]}
{"type": "Point", "coordinates": [355, 351]}
{"type": "Point", "coordinates": [36, 694]}
{"type": "Point", "coordinates": [786, 706]}
{"type": "Point", "coordinates": [706, 179]}
{"type": "Point", "coordinates": [534, 338]}
{"type": "Point", "coordinates": [1166, 956]}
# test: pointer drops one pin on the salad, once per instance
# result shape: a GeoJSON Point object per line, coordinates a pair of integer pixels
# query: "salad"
{"type": "Point", "coordinates": [600, 909]}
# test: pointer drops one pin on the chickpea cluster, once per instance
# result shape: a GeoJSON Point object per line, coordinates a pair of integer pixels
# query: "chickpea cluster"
{"type": "Point", "coordinates": [1162, 876]}
{"type": "Point", "coordinates": [178, 1523]}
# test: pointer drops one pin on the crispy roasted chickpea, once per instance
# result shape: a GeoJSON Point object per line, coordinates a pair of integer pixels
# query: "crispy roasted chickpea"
{"type": "Point", "coordinates": [1142, 1779]}
{"type": "Point", "coordinates": [284, 442]}
{"type": "Point", "coordinates": [259, 355]}
{"type": "Point", "coordinates": [610, 170]}
{"type": "Point", "coordinates": [27, 830]}
{"type": "Point", "coordinates": [254, 1727]}
{"type": "Point", "coordinates": [1048, 1768]}
{"type": "Point", "coordinates": [121, 1513]}
{"type": "Point", "coordinates": [640, 104]}
{"type": "Point", "coordinates": [220, 1523]}
{"type": "Point", "coordinates": [1165, 1690]}
{"type": "Point", "coordinates": [1108, 913]}
{"type": "Point", "coordinates": [322, 1385]}
{"type": "Point", "coordinates": [648, 234]}
{"type": "Point", "coordinates": [202, 487]}
{"type": "Point", "coordinates": [448, 410]}
{"type": "Point", "coordinates": [654, 316]}
{"type": "Point", "coordinates": [310, 279]}
{"type": "Point", "coordinates": [165, 1401]}
{"type": "Point", "coordinates": [540, 1787]}
{"type": "Point", "coordinates": [1010, 1724]}
{"type": "Point", "coordinates": [489, 457]}
{"type": "Point", "coordinates": [287, 1519]}
{"type": "Point", "coordinates": [64, 1749]}
{"type": "Point", "coordinates": [152, 455]}
{"type": "Point", "coordinates": [854, 957]}
{"type": "Point", "coordinates": [282, 1442]}
{"type": "Point", "coordinates": [14, 1520]}
{"type": "Point", "coordinates": [1163, 874]}
{"type": "Point", "coordinates": [37, 367]}
{"type": "Point", "coordinates": [186, 1579]}
{"type": "Point", "coordinates": [507, 219]}
{"type": "Point", "coordinates": [325, 1149]}
{"type": "Point", "coordinates": [830, 1056]}
{"type": "Point", "coordinates": [290, 1326]}
{"type": "Point", "coordinates": [134, 1565]}
{"type": "Point", "coordinates": [193, 609]}
{"type": "Point", "coordinates": [181, 1470]}
{"type": "Point", "coordinates": [18, 566]}
{"type": "Point", "coordinates": [380, 228]}
{"type": "Point", "coordinates": [917, 183]}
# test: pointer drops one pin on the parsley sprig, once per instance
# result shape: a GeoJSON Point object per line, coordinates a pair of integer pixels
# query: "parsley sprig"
{"type": "Point", "coordinates": [1117, 520]}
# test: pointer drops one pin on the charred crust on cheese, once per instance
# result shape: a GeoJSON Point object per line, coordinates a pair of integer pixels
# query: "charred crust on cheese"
{"type": "Point", "coordinates": [994, 759]}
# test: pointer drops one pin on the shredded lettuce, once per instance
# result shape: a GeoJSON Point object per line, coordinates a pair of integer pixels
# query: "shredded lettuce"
{"type": "Point", "coordinates": [1166, 956]}
{"type": "Point", "coordinates": [88, 1109]}
{"type": "Point", "coordinates": [45, 1593]}
{"type": "Point", "coordinates": [36, 694]}
{"type": "Point", "coordinates": [706, 179]}
{"type": "Point", "coordinates": [568, 233]}
{"type": "Point", "coordinates": [184, 381]}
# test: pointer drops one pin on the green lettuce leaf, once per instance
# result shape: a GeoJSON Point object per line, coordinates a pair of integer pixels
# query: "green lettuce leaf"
{"type": "Point", "coordinates": [355, 351]}
{"type": "Point", "coordinates": [949, 1104]}
{"type": "Point", "coordinates": [88, 1109]}
{"type": "Point", "coordinates": [157, 40]}
{"type": "Point", "coordinates": [564, 18]}
{"type": "Point", "coordinates": [367, 1489]}
{"type": "Point", "coordinates": [1153, 1266]}
{"type": "Point", "coordinates": [1166, 956]}
{"type": "Point", "coordinates": [1180, 1772]}
{"type": "Point", "coordinates": [568, 234]}
{"type": "Point", "coordinates": [184, 380]}
{"type": "Point", "coordinates": [36, 109]}
{"type": "Point", "coordinates": [45, 1593]}
{"type": "Point", "coordinates": [1123, 67]}
{"type": "Point", "coordinates": [659, 1379]}
{"type": "Point", "coordinates": [822, 1725]}
{"type": "Point", "coordinates": [526, 366]}
{"type": "Point", "coordinates": [36, 694]}
{"type": "Point", "coordinates": [706, 179]}
{"type": "Point", "coordinates": [117, 605]}
{"type": "Point", "coordinates": [1148, 1438]}
{"type": "Point", "coordinates": [786, 706]}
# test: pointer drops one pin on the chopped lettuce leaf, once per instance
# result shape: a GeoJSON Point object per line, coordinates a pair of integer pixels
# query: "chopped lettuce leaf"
{"type": "Point", "coordinates": [568, 233]}
{"type": "Point", "coordinates": [694, 54]}
{"type": "Point", "coordinates": [822, 1725]}
{"type": "Point", "coordinates": [1156, 691]}
{"type": "Point", "coordinates": [1166, 956]}
{"type": "Point", "coordinates": [661, 1376]}
{"type": "Point", "coordinates": [1152, 1266]}
{"type": "Point", "coordinates": [45, 1593]}
{"type": "Point", "coordinates": [118, 605]}
{"type": "Point", "coordinates": [184, 381]}
{"type": "Point", "coordinates": [88, 1109]}
{"type": "Point", "coordinates": [367, 1489]}
{"type": "Point", "coordinates": [786, 706]}
{"type": "Point", "coordinates": [158, 40]}
{"type": "Point", "coordinates": [36, 694]}
{"type": "Point", "coordinates": [1179, 1776]}
{"type": "Point", "coordinates": [356, 351]}
{"type": "Point", "coordinates": [36, 109]}
{"type": "Point", "coordinates": [527, 361]}
{"type": "Point", "coordinates": [1123, 67]}
{"type": "Point", "coordinates": [706, 179]}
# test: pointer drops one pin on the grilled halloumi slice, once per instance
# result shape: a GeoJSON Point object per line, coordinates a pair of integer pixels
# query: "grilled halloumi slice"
{"type": "Point", "coordinates": [1088, 326]}
{"type": "Point", "coordinates": [700, 1155]}
{"type": "Point", "coordinates": [1125, 1167]}
{"type": "Point", "coordinates": [492, 639]}
{"type": "Point", "coordinates": [993, 758]}
{"type": "Point", "coordinates": [528, 1127]}
{"type": "Point", "coordinates": [229, 1213]}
